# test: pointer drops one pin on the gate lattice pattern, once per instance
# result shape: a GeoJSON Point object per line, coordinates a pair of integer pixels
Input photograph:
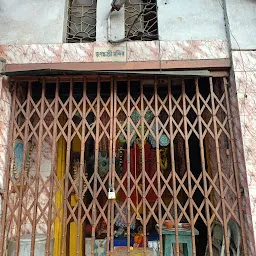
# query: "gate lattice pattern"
{"type": "Point", "coordinates": [164, 144]}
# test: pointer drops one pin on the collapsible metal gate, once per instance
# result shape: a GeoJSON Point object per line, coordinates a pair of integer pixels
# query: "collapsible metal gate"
{"type": "Point", "coordinates": [165, 146]}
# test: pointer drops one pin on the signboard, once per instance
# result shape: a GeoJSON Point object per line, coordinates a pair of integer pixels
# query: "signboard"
{"type": "Point", "coordinates": [109, 54]}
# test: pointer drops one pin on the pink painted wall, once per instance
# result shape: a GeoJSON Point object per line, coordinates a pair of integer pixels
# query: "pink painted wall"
{"type": "Point", "coordinates": [136, 51]}
{"type": "Point", "coordinates": [5, 108]}
{"type": "Point", "coordinates": [244, 63]}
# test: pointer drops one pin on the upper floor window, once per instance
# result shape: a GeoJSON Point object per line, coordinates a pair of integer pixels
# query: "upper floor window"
{"type": "Point", "coordinates": [141, 20]}
{"type": "Point", "coordinates": [81, 21]}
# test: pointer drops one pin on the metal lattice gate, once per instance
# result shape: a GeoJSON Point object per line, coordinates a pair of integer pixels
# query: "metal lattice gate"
{"type": "Point", "coordinates": [164, 145]}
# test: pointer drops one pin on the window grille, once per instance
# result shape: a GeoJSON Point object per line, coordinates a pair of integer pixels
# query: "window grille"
{"type": "Point", "coordinates": [81, 21]}
{"type": "Point", "coordinates": [141, 20]}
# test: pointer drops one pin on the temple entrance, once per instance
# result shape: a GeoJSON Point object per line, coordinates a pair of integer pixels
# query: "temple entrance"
{"type": "Point", "coordinates": [115, 165]}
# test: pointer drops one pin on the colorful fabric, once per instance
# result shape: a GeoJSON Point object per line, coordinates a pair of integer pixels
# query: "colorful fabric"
{"type": "Point", "coordinates": [135, 116]}
{"type": "Point", "coordinates": [120, 222]}
{"type": "Point", "coordinates": [150, 168]}
{"type": "Point", "coordinates": [103, 165]}
{"type": "Point", "coordinates": [152, 141]}
{"type": "Point", "coordinates": [164, 140]}
{"type": "Point", "coordinates": [149, 116]}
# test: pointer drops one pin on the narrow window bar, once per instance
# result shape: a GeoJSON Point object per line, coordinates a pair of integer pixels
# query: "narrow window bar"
{"type": "Point", "coordinates": [38, 162]}
{"type": "Point", "coordinates": [142, 138]}
{"type": "Point", "coordinates": [203, 165]}
{"type": "Point", "coordinates": [187, 156]}
{"type": "Point", "coordinates": [22, 178]}
{"type": "Point", "coordinates": [81, 175]}
{"type": "Point", "coordinates": [233, 146]}
{"type": "Point", "coordinates": [158, 167]}
{"type": "Point", "coordinates": [219, 166]}
{"type": "Point", "coordinates": [67, 167]}
{"type": "Point", "coordinates": [173, 169]}
{"type": "Point", "coordinates": [129, 165]}
{"type": "Point", "coordinates": [94, 217]}
{"type": "Point", "coordinates": [53, 169]}
{"type": "Point", "coordinates": [111, 179]}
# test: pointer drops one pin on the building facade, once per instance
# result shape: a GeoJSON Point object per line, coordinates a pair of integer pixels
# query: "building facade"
{"type": "Point", "coordinates": [152, 104]}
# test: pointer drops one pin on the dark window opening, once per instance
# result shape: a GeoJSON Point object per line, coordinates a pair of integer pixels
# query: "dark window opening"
{"type": "Point", "coordinates": [81, 25]}
{"type": "Point", "coordinates": [141, 20]}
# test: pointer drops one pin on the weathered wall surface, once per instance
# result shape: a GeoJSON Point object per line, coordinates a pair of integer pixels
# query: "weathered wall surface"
{"type": "Point", "coordinates": [109, 27]}
{"type": "Point", "coordinates": [242, 25]}
{"type": "Point", "coordinates": [244, 117]}
{"type": "Point", "coordinates": [190, 20]}
{"type": "Point", "coordinates": [33, 22]}
{"type": "Point", "coordinates": [135, 51]}
{"type": "Point", "coordinates": [242, 20]}
{"type": "Point", "coordinates": [27, 22]}
{"type": "Point", "coordinates": [5, 109]}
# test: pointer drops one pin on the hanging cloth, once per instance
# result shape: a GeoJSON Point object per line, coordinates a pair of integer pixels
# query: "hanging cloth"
{"type": "Point", "coordinates": [136, 164]}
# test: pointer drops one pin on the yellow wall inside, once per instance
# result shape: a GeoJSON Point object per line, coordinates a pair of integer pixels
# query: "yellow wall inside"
{"type": "Point", "coordinates": [61, 162]}
{"type": "Point", "coordinates": [76, 147]}
{"type": "Point", "coordinates": [61, 153]}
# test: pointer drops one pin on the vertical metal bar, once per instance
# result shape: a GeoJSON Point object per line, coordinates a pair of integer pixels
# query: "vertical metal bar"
{"type": "Point", "coordinates": [111, 180]}
{"type": "Point", "coordinates": [128, 166]}
{"type": "Point", "coordinates": [177, 253]}
{"type": "Point", "coordinates": [66, 182]}
{"type": "Point", "coordinates": [80, 176]}
{"type": "Point", "coordinates": [188, 166]}
{"type": "Point", "coordinates": [95, 167]}
{"type": "Point", "coordinates": [53, 169]}
{"type": "Point", "coordinates": [21, 178]}
{"type": "Point", "coordinates": [81, 18]}
{"type": "Point", "coordinates": [158, 168]}
{"type": "Point", "coordinates": [38, 163]}
{"type": "Point", "coordinates": [233, 146]}
{"type": "Point", "coordinates": [201, 145]}
{"type": "Point", "coordinates": [8, 173]}
{"type": "Point", "coordinates": [219, 166]}
{"type": "Point", "coordinates": [142, 121]}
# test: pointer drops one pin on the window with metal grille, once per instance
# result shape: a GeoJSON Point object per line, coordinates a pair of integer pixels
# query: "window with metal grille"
{"type": "Point", "coordinates": [81, 21]}
{"type": "Point", "coordinates": [141, 20]}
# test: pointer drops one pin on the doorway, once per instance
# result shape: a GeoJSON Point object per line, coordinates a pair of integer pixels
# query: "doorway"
{"type": "Point", "coordinates": [161, 146]}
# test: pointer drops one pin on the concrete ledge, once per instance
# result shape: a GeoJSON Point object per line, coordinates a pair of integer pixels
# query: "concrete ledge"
{"type": "Point", "coordinates": [148, 65]}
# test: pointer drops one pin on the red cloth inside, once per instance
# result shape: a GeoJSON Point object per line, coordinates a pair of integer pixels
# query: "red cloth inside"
{"type": "Point", "coordinates": [150, 169]}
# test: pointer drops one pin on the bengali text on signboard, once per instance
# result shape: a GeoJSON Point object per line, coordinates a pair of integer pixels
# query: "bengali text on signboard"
{"type": "Point", "coordinates": [108, 54]}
